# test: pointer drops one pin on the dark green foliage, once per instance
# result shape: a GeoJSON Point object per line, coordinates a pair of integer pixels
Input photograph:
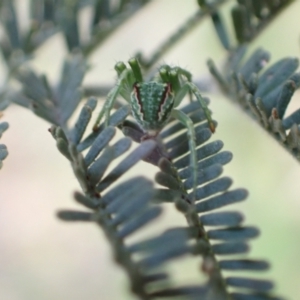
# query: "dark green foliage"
{"type": "Point", "coordinates": [117, 118]}
{"type": "Point", "coordinates": [243, 265]}
{"type": "Point", "coordinates": [122, 208]}
{"type": "Point", "coordinates": [83, 120]}
{"type": "Point", "coordinates": [222, 200]}
{"type": "Point", "coordinates": [71, 215]}
{"type": "Point", "coordinates": [259, 296]}
{"type": "Point", "coordinates": [98, 145]}
{"type": "Point", "coordinates": [230, 248]}
{"type": "Point", "coordinates": [3, 152]}
{"type": "Point", "coordinates": [250, 17]}
{"type": "Point", "coordinates": [48, 17]}
{"type": "Point", "coordinates": [3, 127]}
{"type": "Point", "coordinates": [212, 194]}
{"type": "Point", "coordinates": [218, 185]}
{"type": "Point", "coordinates": [233, 233]}
{"type": "Point", "coordinates": [3, 149]}
{"type": "Point", "coordinates": [129, 206]}
{"type": "Point", "coordinates": [221, 30]}
{"type": "Point", "coordinates": [222, 218]}
{"type": "Point", "coordinates": [90, 176]}
{"type": "Point", "coordinates": [96, 171]}
{"type": "Point", "coordinates": [202, 153]}
{"type": "Point", "coordinates": [259, 285]}
{"type": "Point", "coordinates": [54, 104]}
{"type": "Point", "coordinates": [265, 96]}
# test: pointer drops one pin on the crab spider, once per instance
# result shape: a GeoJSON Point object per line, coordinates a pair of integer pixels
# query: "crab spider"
{"type": "Point", "coordinates": [153, 103]}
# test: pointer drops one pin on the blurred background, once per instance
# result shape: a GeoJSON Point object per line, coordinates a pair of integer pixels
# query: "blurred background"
{"type": "Point", "coordinates": [44, 258]}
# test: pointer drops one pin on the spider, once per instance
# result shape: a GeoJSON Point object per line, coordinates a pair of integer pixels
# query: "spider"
{"type": "Point", "coordinates": [153, 103]}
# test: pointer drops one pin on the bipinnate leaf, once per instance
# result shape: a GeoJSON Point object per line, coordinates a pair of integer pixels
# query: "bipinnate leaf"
{"type": "Point", "coordinates": [264, 94]}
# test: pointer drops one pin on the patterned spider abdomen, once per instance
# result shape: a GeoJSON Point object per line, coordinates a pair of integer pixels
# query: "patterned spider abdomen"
{"type": "Point", "coordinates": [151, 105]}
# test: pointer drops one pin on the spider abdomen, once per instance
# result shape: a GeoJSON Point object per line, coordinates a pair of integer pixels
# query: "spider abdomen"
{"type": "Point", "coordinates": [151, 105]}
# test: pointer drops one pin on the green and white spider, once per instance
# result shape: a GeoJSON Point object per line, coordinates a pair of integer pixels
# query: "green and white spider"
{"type": "Point", "coordinates": [154, 103]}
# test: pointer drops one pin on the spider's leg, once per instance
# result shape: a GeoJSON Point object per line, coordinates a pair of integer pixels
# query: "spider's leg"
{"type": "Point", "coordinates": [178, 71]}
{"type": "Point", "coordinates": [191, 87]}
{"type": "Point", "coordinates": [165, 67]}
{"type": "Point", "coordinates": [164, 74]}
{"type": "Point", "coordinates": [111, 97]}
{"type": "Point", "coordinates": [136, 69]}
{"type": "Point", "coordinates": [128, 82]}
{"type": "Point", "coordinates": [185, 73]}
{"type": "Point", "coordinates": [187, 122]}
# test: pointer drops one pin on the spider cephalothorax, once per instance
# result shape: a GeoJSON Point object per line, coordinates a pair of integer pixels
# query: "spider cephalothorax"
{"type": "Point", "coordinates": [153, 103]}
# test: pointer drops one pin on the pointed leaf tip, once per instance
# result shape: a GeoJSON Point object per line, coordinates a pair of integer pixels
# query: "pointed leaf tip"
{"type": "Point", "coordinates": [141, 152]}
{"type": "Point", "coordinates": [72, 215]}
